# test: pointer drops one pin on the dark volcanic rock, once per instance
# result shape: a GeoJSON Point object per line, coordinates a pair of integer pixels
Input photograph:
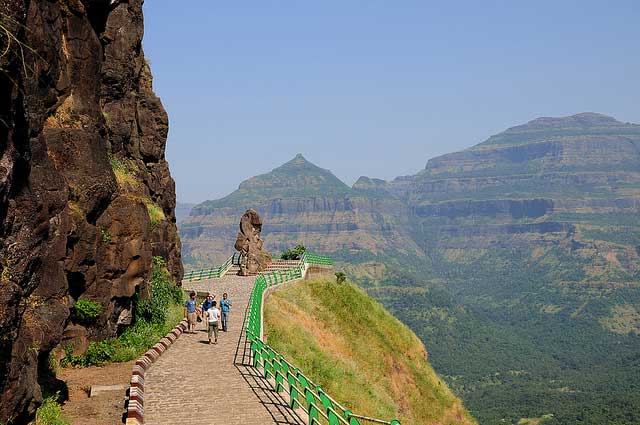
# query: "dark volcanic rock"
{"type": "Point", "coordinates": [86, 198]}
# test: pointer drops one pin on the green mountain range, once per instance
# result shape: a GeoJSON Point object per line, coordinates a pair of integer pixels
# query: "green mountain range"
{"type": "Point", "coordinates": [515, 261]}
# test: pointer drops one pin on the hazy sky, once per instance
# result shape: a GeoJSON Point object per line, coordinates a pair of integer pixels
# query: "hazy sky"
{"type": "Point", "coordinates": [375, 88]}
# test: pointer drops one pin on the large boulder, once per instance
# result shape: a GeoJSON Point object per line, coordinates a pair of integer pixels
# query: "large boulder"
{"type": "Point", "coordinates": [254, 258]}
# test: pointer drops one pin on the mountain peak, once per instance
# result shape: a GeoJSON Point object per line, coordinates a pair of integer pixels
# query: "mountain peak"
{"type": "Point", "coordinates": [546, 128]}
{"type": "Point", "coordinates": [297, 178]}
{"type": "Point", "coordinates": [298, 161]}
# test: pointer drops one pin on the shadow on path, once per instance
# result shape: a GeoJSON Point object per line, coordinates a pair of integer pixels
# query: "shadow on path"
{"type": "Point", "coordinates": [272, 401]}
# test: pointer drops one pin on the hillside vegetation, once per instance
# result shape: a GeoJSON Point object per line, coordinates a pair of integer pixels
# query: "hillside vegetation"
{"type": "Point", "coordinates": [359, 353]}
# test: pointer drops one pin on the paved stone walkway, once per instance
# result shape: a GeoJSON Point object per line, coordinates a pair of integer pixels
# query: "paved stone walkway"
{"type": "Point", "coordinates": [197, 383]}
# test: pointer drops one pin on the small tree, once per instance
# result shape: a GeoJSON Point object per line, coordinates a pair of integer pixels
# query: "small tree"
{"type": "Point", "coordinates": [294, 254]}
{"type": "Point", "coordinates": [340, 277]}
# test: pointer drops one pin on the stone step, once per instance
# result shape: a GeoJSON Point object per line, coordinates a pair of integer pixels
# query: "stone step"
{"type": "Point", "coordinates": [101, 389]}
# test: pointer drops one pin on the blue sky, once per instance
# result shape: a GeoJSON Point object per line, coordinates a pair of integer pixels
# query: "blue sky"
{"type": "Point", "coordinates": [375, 88]}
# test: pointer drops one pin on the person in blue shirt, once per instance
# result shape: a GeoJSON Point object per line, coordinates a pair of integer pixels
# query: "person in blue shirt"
{"type": "Point", "coordinates": [225, 306]}
{"type": "Point", "coordinates": [190, 312]}
{"type": "Point", "coordinates": [207, 304]}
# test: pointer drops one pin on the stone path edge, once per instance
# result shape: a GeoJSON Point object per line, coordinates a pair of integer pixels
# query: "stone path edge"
{"type": "Point", "coordinates": [135, 404]}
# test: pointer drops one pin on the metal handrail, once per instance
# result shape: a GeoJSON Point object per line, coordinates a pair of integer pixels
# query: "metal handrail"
{"type": "Point", "coordinates": [213, 272]}
{"type": "Point", "coordinates": [300, 388]}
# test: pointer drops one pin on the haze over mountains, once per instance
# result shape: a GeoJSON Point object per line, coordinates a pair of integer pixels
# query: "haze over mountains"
{"type": "Point", "coordinates": [516, 261]}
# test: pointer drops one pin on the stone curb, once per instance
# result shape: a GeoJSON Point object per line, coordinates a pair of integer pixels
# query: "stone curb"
{"type": "Point", "coordinates": [135, 404]}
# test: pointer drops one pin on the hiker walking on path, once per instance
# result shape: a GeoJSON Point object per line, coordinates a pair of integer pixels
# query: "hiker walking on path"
{"type": "Point", "coordinates": [225, 306]}
{"type": "Point", "coordinates": [213, 316]}
{"type": "Point", "coordinates": [190, 312]}
{"type": "Point", "coordinates": [206, 305]}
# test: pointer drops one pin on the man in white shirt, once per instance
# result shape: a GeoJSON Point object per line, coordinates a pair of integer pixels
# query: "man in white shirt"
{"type": "Point", "coordinates": [213, 316]}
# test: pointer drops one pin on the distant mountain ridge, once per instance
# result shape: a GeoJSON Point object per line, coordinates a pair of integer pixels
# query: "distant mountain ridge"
{"type": "Point", "coordinates": [299, 203]}
{"type": "Point", "coordinates": [297, 177]}
{"type": "Point", "coordinates": [532, 235]}
{"type": "Point", "coordinates": [544, 128]}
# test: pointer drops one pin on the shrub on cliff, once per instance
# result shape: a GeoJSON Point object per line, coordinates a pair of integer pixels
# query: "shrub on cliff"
{"type": "Point", "coordinates": [163, 294]}
{"type": "Point", "coordinates": [156, 214]}
{"type": "Point", "coordinates": [154, 318]}
{"type": "Point", "coordinates": [87, 311]}
{"type": "Point", "coordinates": [294, 254]}
{"type": "Point", "coordinates": [49, 413]}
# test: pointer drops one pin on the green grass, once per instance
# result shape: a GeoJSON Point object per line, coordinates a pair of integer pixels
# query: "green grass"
{"type": "Point", "coordinates": [49, 413]}
{"type": "Point", "coordinates": [125, 171]}
{"type": "Point", "coordinates": [137, 339]}
{"type": "Point", "coordinates": [359, 353]}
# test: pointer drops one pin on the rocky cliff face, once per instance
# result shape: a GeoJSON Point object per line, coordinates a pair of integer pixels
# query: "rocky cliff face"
{"type": "Point", "coordinates": [86, 197]}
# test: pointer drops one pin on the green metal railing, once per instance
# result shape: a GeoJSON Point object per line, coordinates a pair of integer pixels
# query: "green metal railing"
{"type": "Point", "coordinates": [213, 272]}
{"type": "Point", "coordinates": [303, 393]}
{"type": "Point", "coordinates": [315, 259]}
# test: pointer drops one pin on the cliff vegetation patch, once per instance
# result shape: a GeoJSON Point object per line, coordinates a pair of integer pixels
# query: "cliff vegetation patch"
{"type": "Point", "coordinates": [49, 413]}
{"type": "Point", "coordinates": [156, 214]}
{"type": "Point", "coordinates": [625, 319]}
{"type": "Point", "coordinates": [87, 311]}
{"type": "Point", "coordinates": [125, 171]}
{"type": "Point", "coordinates": [154, 318]}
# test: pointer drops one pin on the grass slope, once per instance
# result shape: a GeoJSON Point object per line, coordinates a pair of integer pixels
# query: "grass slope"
{"type": "Point", "coordinates": [359, 353]}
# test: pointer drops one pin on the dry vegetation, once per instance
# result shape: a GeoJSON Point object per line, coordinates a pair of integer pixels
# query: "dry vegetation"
{"type": "Point", "coordinates": [360, 354]}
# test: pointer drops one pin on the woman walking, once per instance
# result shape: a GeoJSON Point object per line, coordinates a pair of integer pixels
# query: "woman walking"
{"type": "Point", "coordinates": [206, 305]}
{"type": "Point", "coordinates": [190, 312]}
{"type": "Point", "coordinates": [213, 316]}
